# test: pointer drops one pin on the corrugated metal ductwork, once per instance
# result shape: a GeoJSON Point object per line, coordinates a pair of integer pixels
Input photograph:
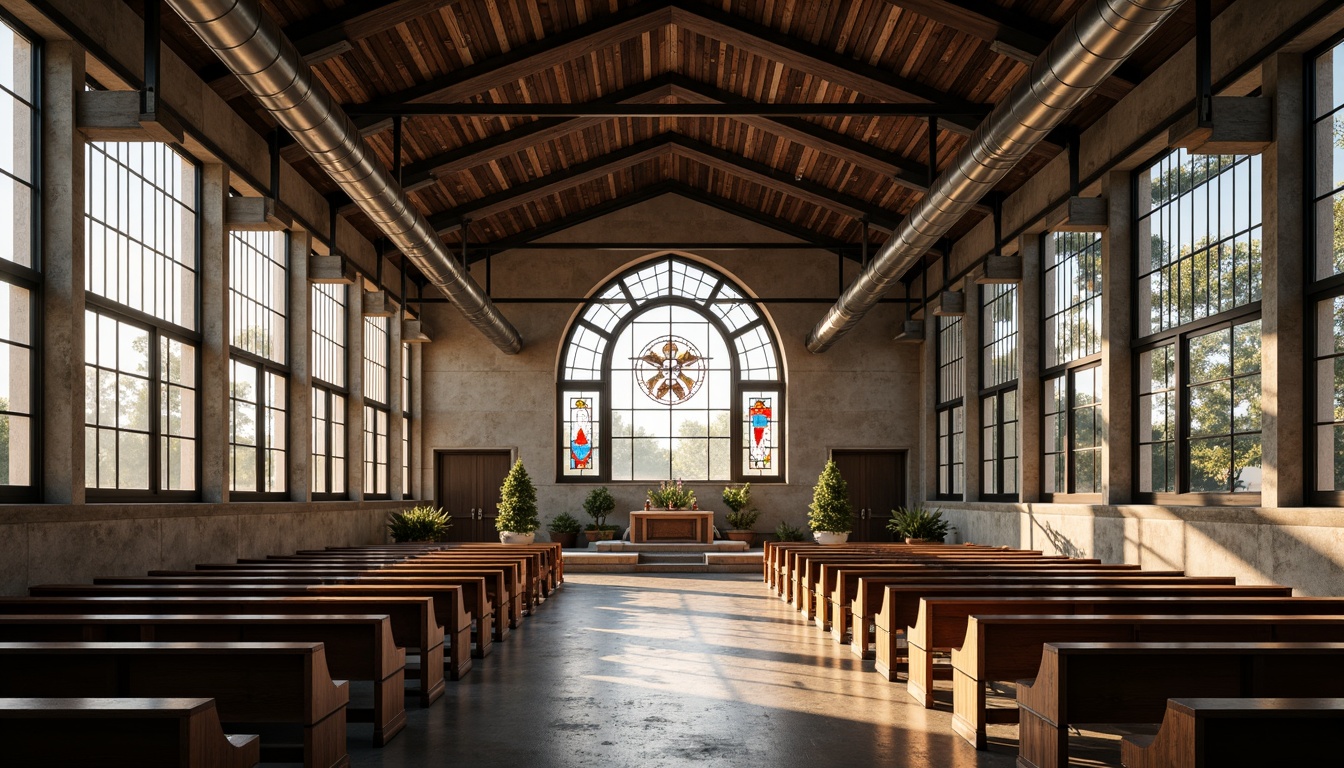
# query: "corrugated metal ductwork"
{"type": "Point", "coordinates": [1089, 49]}
{"type": "Point", "coordinates": [252, 46]}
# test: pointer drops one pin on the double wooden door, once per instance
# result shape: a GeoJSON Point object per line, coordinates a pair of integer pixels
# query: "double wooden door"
{"type": "Point", "coordinates": [466, 486]}
{"type": "Point", "coordinates": [876, 482]}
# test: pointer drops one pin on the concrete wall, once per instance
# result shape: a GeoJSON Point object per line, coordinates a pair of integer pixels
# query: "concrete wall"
{"type": "Point", "coordinates": [860, 394]}
{"type": "Point", "coordinates": [70, 544]}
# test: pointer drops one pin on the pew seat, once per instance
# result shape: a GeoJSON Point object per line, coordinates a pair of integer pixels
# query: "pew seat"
{"type": "Point", "coordinates": [120, 733]}
{"type": "Point", "coordinates": [1240, 733]}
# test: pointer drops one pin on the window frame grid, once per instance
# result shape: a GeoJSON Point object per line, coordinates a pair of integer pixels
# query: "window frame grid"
{"type": "Point", "coordinates": [330, 474]}
{"type": "Point", "coordinates": [159, 329]}
{"type": "Point", "coordinates": [376, 464]}
{"type": "Point", "coordinates": [1318, 289]}
{"type": "Point", "coordinates": [29, 276]}
{"type": "Point", "coordinates": [1179, 336]}
{"type": "Point", "coordinates": [265, 367]}
{"type": "Point", "coordinates": [406, 374]}
{"type": "Point", "coordinates": [626, 307]}
{"type": "Point", "coordinates": [323, 343]}
{"type": "Point", "coordinates": [995, 389]}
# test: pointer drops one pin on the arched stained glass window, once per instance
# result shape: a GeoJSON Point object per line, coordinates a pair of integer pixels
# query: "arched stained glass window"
{"type": "Point", "coordinates": [670, 372]}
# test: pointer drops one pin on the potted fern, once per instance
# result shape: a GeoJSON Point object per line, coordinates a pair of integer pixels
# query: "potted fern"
{"type": "Point", "coordinates": [598, 504]}
{"type": "Point", "coordinates": [421, 523]}
{"type": "Point", "coordinates": [564, 530]}
{"type": "Point", "coordinates": [740, 518]}
{"type": "Point", "coordinates": [786, 532]}
{"type": "Point", "coordinates": [829, 515]}
{"type": "Point", "coordinates": [919, 525]}
{"type": "Point", "coordinates": [517, 522]}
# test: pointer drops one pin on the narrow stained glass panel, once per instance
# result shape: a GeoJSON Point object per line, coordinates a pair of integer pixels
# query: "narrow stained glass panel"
{"type": "Point", "coordinates": [760, 431]}
{"type": "Point", "coordinates": [581, 444]}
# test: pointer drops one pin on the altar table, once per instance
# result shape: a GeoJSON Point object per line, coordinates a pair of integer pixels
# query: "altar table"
{"type": "Point", "coordinates": [671, 527]}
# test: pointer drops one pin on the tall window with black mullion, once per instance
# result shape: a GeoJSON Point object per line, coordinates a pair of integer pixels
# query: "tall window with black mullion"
{"type": "Point", "coordinates": [406, 421]}
{"type": "Point", "coordinates": [377, 341]}
{"type": "Point", "coordinates": [1071, 346]}
{"type": "Point", "coordinates": [141, 328]}
{"type": "Point", "coordinates": [951, 408]}
{"type": "Point", "coordinates": [258, 361]}
{"type": "Point", "coordinates": [1197, 312]}
{"type": "Point", "coordinates": [328, 465]}
{"type": "Point", "coordinates": [998, 393]}
{"type": "Point", "coordinates": [1325, 158]}
{"type": "Point", "coordinates": [19, 275]}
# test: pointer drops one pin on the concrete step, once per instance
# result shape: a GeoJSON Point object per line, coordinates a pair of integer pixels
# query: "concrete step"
{"type": "Point", "coordinates": [671, 558]}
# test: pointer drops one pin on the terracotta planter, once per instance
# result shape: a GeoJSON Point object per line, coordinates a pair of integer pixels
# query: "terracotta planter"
{"type": "Point", "coordinates": [747, 536]}
{"type": "Point", "coordinates": [514, 537]}
{"type": "Point", "coordinates": [599, 535]}
{"type": "Point", "coordinates": [829, 538]}
{"type": "Point", "coordinates": [565, 540]}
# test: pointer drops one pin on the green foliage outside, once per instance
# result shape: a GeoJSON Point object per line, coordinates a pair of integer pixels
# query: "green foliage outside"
{"type": "Point", "coordinates": [598, 504]}
{"type": "Point", "coordinates": [517, 502]}
{"type": "Point", "coordinates": [422, 523]}
{"type": "Point", "coordinates": [919, 522]}
{"type": "Point", "coordinates": [830, 509]}
{"type": "Point", "coordinates": [786, 532]}
{"type": "Point", "coordinates": [564, 523]}
{"type": "Point", "coordinates": [646, 457]}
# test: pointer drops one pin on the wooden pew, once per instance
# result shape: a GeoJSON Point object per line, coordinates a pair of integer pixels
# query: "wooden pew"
{"type": "Point", "coordinates": [1009, 648]}
{"type": "Point", "coordinates": [449, 603]}
{"type": "Point", "coordinates": [1095, 683]}
{"type": "Point", "coordinates": [900, 604]}
{"type": "Point", "coordinates": [794, 563]}
{"type": "Point", "coordinates": [837, 608]}
{"type": "Point", "coordinates": [121, 733]}
{"type": "Point", "coordinates": [807, 568]}
{"type": "Point", "coordinates": [942, 622]}
{"type": "Point", "coordinates": [775, 552]}
{"type": "Point", "coordinates": [414, 624]}
{"type": "Point", "coordinates": [551, 554]}
{"type": "Point", "coordinates": [282, 683]}
{"type": "Point", "coordinates": [1240, 733]}
{"type": "Point", "coordinates": [871, 590]}
{"type": "Point", "coordinates": [502, 582]}
{"type": "Point", "coordinates": [358, 647]}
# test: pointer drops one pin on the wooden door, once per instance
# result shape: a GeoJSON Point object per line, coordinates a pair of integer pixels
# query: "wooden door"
{"type": "Point", "coordinates": [466, 486]}
{"type": "Point", "coordinates": [876, 481]}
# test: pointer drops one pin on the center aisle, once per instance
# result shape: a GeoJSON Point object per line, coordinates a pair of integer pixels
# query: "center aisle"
{"type": "Point", "coordinates": [671, 670]}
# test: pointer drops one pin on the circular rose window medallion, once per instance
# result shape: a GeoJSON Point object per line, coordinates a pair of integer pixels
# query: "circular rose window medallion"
{"type": "Point", "coordinates": [670, 370]}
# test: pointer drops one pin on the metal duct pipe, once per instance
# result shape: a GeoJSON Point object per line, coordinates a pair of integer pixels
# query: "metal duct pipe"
{"type": "Point", "coordinates": [252, 46]}
{"type": "Point", "coordinates": [1087, 51]}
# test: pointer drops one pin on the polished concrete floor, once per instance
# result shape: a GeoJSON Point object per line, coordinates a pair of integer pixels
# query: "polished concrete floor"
{"type": "Point", "coordinates": [673, 670]}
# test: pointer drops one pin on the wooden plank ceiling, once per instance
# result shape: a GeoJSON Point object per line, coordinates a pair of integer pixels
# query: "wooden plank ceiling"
{"type": "Point", "coordinates": [516, 178]}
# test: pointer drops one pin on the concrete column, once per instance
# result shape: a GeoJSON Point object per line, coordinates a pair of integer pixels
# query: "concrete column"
{"type": "Point", "coordinates": [300, 388]}
{"type": "Point", "coordinates": [62, 307]}
{"type": "Point", "coordinates": [970, 336]}
{"type": "Point", "coordinates": [1029, 376]}
{"type": "Point", "coordinates": [418, 488]}
{"type": "Point", "coordinates": [354, 379]}
{"type": "Point", "coordinates": [394, 404]}
{"type": "Point", "coordinates": [1283, 324]}
{"type": "Point", "coordinates": [214, 384]}
{"type": "Point", "coordinates": [1117, 290]}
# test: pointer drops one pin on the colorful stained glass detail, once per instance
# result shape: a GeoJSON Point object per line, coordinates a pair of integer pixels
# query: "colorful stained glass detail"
{"type": "Point", "coordinates": [759, 415]}
{"type": "Point", "coordinates": [580, 429]}
{"type": "Point", "coordinates": [670, 370]}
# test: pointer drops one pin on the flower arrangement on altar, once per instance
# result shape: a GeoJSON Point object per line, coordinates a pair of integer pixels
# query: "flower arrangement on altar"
{"type": "Point", "coordinates": [671, 495]}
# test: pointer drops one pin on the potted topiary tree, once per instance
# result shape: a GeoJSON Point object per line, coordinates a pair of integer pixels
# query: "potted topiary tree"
{"type": "Point", "coordinates": [829, 514]}
{"type": "Point", "coordinates": [422, 523]}
{"type": "Point", "coordinates": [598, 504]}
{"type": "Point", "coordinates": [786, 532]}
{"type": "Point", "coordinates": [919, 525]}
{"type": "Point", "coordinates": [564, 529]}
{"type": "Point", "coordinates": [517, 522]}
{"type": "Point", "coordinates": [740, 518]}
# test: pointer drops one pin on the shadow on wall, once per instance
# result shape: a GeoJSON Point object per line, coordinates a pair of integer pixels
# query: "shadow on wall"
{"type": "Point", "coordinates": [1061, 543]}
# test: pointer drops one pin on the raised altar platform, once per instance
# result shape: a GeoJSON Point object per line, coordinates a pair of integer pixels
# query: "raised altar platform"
{"type": "Point", "coordinates": [663, 548]}
{"type": "Point", "coordinates": [628, 557]}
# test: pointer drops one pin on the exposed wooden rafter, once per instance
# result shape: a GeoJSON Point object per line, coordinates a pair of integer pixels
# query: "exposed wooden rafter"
{"type": "Point", "coordinates": [332, 33]}
{"type": "Point", "coordinates": [1010, 34]}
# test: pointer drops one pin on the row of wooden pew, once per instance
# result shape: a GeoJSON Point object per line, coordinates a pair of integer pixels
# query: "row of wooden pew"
{"type": "Point", "coordinates": [152, 671]}
{"type": "Point", "coordinates": [1087, 643]}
